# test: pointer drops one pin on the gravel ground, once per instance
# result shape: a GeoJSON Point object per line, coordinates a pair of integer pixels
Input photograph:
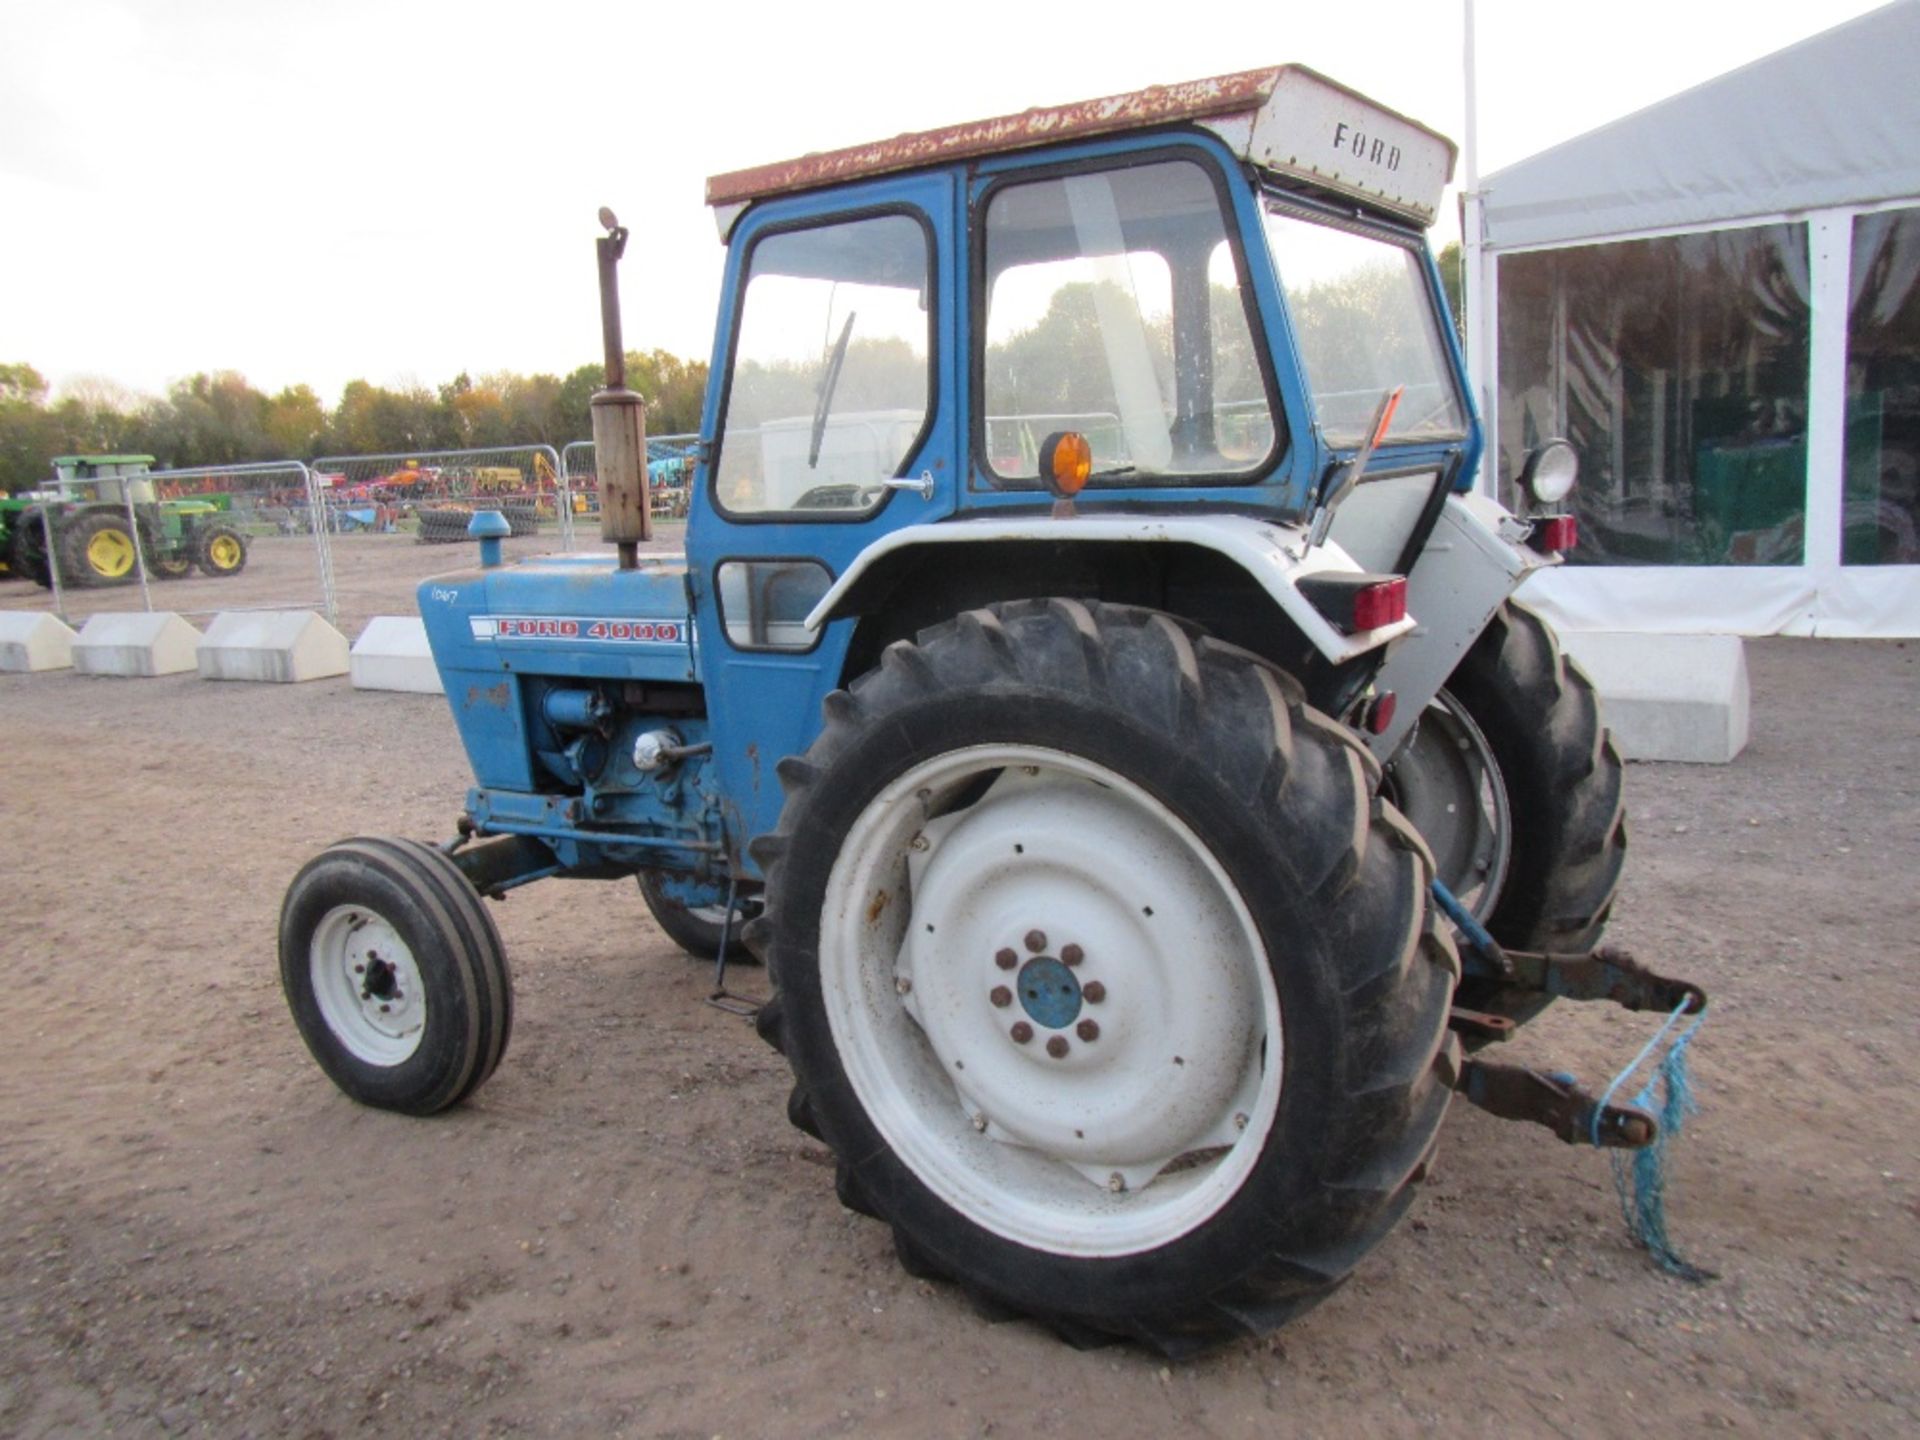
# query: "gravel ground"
{"type": "Point", "coordinates": [620, 1235]}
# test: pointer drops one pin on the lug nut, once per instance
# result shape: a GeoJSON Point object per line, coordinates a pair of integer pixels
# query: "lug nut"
{"type": "Point", "coordinates": [1001, 996]}
{"type": "Point", "coordinates": [1005, 959]}
{"type": "Point", "coordinates": [1087, 1030]}
{"type": "Point", "coordinates": [384, 1009]}
{"type": "Point", "coordinates": [1036, 940]}
{"type": "Point", "coordinates": [1057, 1047]}
{"type": "Point", "coordinates": [359, 969]}
{"type": "Point", "coordinates": [1093, 992]}
{"type": "Point", "coordinates": [919, 842]}
{"type": "Point", "coordinates": [1021, 1032]}
{"type": "Point", "coordinates": [1072, 955]}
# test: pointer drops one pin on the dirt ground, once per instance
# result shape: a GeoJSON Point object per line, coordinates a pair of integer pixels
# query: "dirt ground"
{"type": "Point", "coordinates": [621, 1235]}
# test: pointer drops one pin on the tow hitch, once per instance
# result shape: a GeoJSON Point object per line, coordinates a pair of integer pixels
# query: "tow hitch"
{"type": "Point", "coordinates": [1514, 1092]}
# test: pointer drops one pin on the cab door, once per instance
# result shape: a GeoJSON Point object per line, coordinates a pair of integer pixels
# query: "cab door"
{"type": "Point", "coordinates": [830, 421]}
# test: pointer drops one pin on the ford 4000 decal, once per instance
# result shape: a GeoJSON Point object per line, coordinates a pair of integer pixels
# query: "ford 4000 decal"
{"type": "Point", "coordinates": [578, 627]}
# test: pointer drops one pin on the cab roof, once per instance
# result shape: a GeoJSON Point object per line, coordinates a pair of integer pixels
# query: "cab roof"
{"type": "Point", "coordinates": [1287, 118]}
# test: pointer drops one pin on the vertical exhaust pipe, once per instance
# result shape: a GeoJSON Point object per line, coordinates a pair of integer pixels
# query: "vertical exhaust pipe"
{"type": "Point", "coordinates": [619, 419]}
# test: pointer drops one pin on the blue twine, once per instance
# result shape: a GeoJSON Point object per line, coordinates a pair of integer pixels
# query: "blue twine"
{"type": "Point", "coordinates": [1668, 1093]}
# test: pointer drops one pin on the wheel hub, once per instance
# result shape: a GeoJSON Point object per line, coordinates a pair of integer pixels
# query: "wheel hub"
{"type": "Point", "coordinates": [1049, 993]}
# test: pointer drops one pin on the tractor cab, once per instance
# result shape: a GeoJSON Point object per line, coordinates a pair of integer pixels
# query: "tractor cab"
{"type": "Point", "coordinates": [1184, 347]}
{"type": "Point", "coordinates": [107, 479]}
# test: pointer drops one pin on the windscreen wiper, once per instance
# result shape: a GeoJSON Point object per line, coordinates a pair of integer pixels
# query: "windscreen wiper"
{"type": "Point", "coordinates": [827, 382]}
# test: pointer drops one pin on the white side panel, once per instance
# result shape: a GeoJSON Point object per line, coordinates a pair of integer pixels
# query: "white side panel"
{"type": "Point", "coordinates": [1881, 600]}
{"type": "Point", "coordinates": [1676, 599]}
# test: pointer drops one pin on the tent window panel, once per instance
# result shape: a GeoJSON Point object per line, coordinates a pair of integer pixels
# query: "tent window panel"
{"type": "Point", "coordinates": [1882, 516]}
{"type": "Point", "coordinates": [1678, 369]}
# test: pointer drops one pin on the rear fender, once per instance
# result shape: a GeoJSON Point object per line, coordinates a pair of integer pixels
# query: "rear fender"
{"type": "Point", "coordinates": [1272, 557]}
{"type": "Point", "coordinates": [1472, 563]}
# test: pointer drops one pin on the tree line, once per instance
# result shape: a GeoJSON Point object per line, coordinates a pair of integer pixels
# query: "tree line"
{"type": "Point", "coordinates": [220, 418]}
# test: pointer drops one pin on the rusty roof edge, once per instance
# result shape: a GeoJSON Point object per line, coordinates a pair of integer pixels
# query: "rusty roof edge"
{"type": "Point", "coordinates": [1158, 104]}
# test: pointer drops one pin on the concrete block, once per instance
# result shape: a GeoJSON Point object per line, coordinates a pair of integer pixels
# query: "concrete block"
{"type": "Point", "coordinates": [276, 647]}
{"type": "Point", "coordinates": [135, 642]}
{"type": "Point", "coordinates": [34, 640]}
{"type": "Point", "coordinates": [392, 654]}
{"type": "Point", "coordinates": [1668, 697]}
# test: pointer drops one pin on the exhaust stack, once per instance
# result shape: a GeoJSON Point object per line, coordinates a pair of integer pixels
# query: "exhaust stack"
{"type": "Point", "coordinates": [619, 419]}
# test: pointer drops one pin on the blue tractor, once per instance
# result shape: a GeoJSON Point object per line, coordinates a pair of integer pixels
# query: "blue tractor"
{"type": "Point", "coordinates": [1091, 686]}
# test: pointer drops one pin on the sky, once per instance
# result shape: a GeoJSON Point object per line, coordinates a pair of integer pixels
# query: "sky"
{"type": "Point", "coordinates": [397, 190]}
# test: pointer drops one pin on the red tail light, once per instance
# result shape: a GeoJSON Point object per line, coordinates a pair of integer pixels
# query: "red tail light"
{"type": "Point", "coordinates": [1381, 604]}
{"type": "Point", "coordinates": [1556, 533]}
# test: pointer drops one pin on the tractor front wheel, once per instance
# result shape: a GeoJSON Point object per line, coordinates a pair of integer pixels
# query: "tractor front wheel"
{"type": "Point", "coordinates": [1105, 975]}
{"type": "Point", "coordinates": [220, 550]}
{"type": "Point", "coordinates": [395, 974]}
{"type": "Point", "coordinates": [167, 559]}
{"type": "Point", "coordinates": [696, 929]}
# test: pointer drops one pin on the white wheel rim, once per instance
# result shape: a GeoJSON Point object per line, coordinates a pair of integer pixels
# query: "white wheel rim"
{"type": "Point", "coordinates": [367, 985]}
{"type": "Point", "coordinates": [1101, 1146]}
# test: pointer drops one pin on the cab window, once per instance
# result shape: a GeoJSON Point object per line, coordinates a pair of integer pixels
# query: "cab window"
{"type": "Point", "coordinates": [831, 380]}
{"type": "Point", "coordinates": [1115, 308]}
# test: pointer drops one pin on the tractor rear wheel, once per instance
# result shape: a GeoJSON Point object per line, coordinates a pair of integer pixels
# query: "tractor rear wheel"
{"type": "Point", "coordinates": [696, 929]}
{"type": "Point", "coordinates": [219, 550]}
{"type": "Point", "coordinates": [1105, 975]}
{"type": "Point", "coordinates": [395, 974]}
{"type": "Point", "coordinates": [1538, 719]}
{"type": "Point", "coordinates": [98, 549]}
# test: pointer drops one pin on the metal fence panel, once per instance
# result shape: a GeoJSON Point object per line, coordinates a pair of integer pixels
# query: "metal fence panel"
{"type": "Point", "coordinates": [194, 541]}
{"type": "Point", "coordinates": [432, 494]}
{"type": "Point", "coordinates": [670, 465]}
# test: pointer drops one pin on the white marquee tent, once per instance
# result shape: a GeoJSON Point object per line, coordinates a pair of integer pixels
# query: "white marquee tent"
{"type": "Point", "coordinates": [1717, 299]}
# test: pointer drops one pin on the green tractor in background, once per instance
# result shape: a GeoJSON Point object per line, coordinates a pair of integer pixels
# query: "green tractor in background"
{"type": "Point", "coordinates": [85, 515]}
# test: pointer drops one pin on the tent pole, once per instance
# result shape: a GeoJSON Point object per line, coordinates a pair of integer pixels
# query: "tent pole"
{"type": "Point", "coordinates": [1479, 332]}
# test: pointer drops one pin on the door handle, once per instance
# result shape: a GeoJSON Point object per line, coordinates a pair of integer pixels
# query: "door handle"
{"type": "Point", "coordinates": [921, 485]}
